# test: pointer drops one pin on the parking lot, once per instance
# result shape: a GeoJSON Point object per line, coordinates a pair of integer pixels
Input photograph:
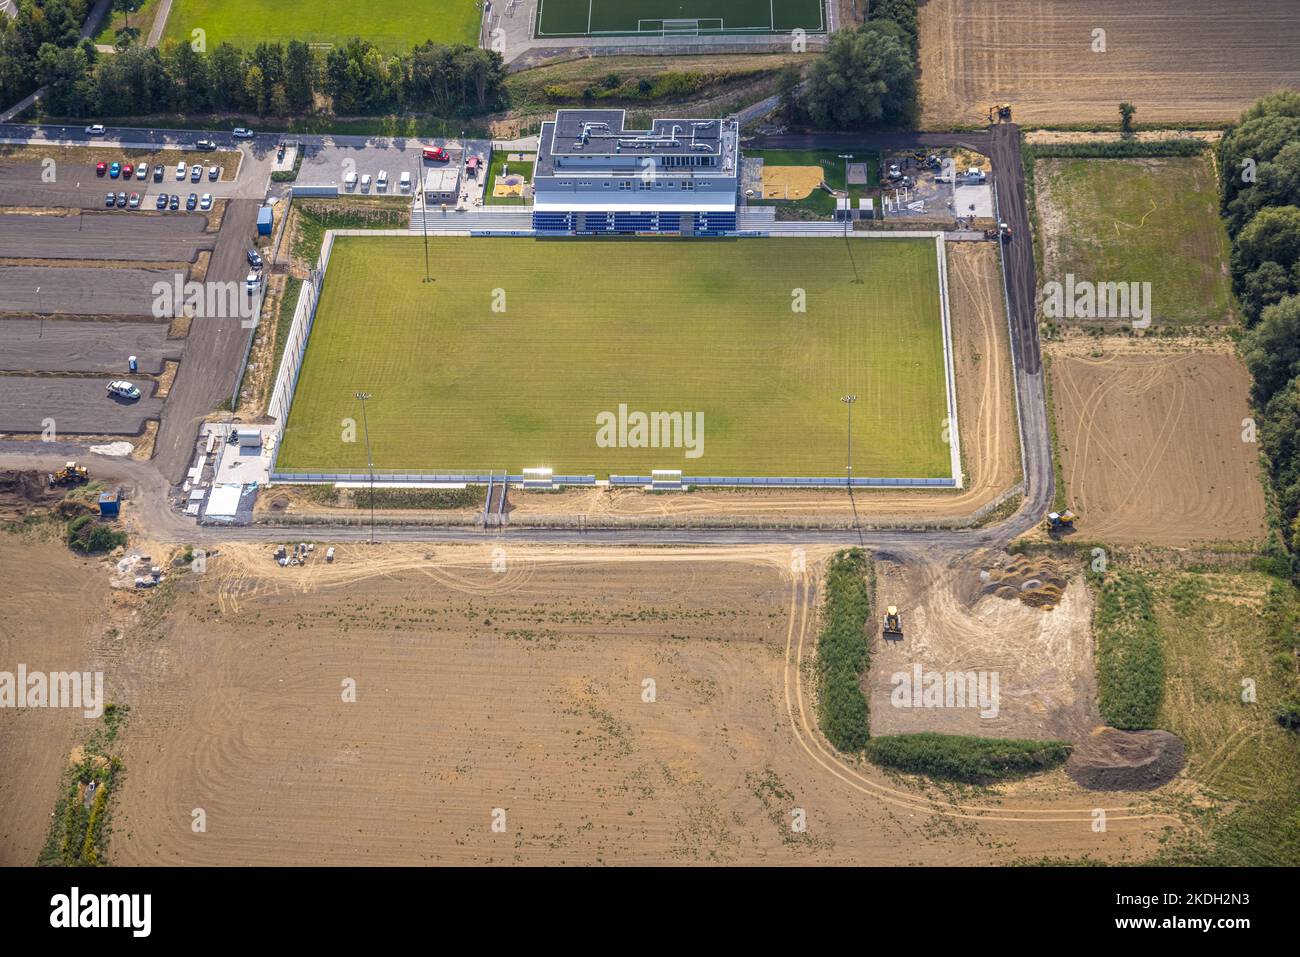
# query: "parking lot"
{"type": "Point", "coordinates": [76, 405]}
{"type": "Point", "coordinates": [80, 291]}
{"type": "Point", "coordinates": [73, 345]}
{"type": "Point", "coordinates": [329, 163]}
{"type": "Point", "coordinates": [102, 235]}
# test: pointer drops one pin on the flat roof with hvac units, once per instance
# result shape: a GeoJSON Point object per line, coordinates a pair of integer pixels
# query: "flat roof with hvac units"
{"type": "Point", "coordinates": [442, 182]}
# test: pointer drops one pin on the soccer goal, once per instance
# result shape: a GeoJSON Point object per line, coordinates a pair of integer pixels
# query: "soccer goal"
{"type": "Point", "coordinates": [686, 27]}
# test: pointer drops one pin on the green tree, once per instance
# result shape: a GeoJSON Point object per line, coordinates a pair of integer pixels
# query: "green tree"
{"type": "Point", "coordinates": [864, 78]}
{"type": "Point", "coordinates": [1126, 111]}
{"type": "Point", "coordinates": [1272, 348]}
{"type": "Point", "coordinates": [299, 76]}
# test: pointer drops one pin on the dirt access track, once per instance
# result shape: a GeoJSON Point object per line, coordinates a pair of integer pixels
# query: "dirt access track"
{"type": "Point", "coordinates": [1151, 442]}
{"type": "Point", "coordinates": [1186, 62]}
{"type": "Point", "coordinates": [516, 679]}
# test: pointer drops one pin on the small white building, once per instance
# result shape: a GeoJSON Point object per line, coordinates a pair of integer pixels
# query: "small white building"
{"type": "Point", "coordinates": [442, 185]}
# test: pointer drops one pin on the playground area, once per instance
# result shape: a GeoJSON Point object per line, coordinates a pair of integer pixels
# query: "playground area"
{"type": "Point", "coordinates": [791, 182]}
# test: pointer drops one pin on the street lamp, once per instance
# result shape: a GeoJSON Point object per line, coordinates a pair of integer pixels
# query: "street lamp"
{"type": "Point", "coordinates": [848, 469]}
{"type": "Point", "coordinates": [370, 462]}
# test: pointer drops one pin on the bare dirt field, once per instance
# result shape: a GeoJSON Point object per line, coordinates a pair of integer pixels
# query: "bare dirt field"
{"type": "Point", "coordinates": [54, 607]}
{"type": "Point", "coordinates": [1043, 655]}
{"type": "Point", "coordinates": [1194, 61]}
{"type": "Point", "coordinates": [986, 413]}
{"type": "Point", "coordinates": [1151, 442]}
{"type": "Point", "coordinates": [524, 689]}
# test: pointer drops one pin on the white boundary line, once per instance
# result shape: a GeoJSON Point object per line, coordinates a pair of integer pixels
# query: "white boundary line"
{"type": "Point", "coordinates": [954, 430]}
{"type": "Point", "coordinates": [823, 28]}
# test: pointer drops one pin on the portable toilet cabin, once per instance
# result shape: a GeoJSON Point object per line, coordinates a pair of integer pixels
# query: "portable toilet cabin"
{"type": "Point", "coordinates": [110, 503]}
{"type": "Point", "coordinates": [264, 221]}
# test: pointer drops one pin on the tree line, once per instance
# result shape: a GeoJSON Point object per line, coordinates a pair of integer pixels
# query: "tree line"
{"type": "Point", "coordinates": [42, 48]}
{"type": "Point", "coordinates": [1259, 162]}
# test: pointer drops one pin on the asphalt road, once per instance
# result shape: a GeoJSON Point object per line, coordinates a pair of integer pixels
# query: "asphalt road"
{"type": "Point", "coordinates": [108, 235]}
{"type": "Point", "coordinates": [213, 352]}
{"type": "Point", "coordinates": [80, 291]}
{"type": "Point", "coordinates": [70, 345]}
{"type": "Point", "coordinates": [76, 405]}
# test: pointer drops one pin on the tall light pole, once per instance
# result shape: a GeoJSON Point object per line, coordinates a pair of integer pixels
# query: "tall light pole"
{"type": "Point", "coordinates": [370, 462]}
{"type": "Point", "coordinates": [848, 469]}
{"type": "Point", "coordinates": [848, 215]}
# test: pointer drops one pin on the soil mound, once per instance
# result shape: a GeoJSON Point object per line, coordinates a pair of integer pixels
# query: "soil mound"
{"type": "Point", "coordinates": [1114, 760]}
{"type": "Point", "coordinates": [21, 492]}
{"type": "Point", "coordinates": [1037, 582]}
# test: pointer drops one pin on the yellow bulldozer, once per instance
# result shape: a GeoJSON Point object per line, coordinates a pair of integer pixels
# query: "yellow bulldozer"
{"type": "Point", "coordinates": [893, 630]}
{"type": "Point", "coordinates": [70, 474]}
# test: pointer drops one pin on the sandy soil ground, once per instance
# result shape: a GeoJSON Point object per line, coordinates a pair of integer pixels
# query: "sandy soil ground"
{"type": "Point", "coordinates": [986, 412]}
{"type": "Point", "coordinates": [1043, 657]}
{"type": "Point", "coordinates": [523, 689]}
{"type": "Point", "coordinates": [1198, 60]}
{"type": "Point", "coordinates": [1151, 441]}
{"type": "Point", "coordinates": [54, 613]}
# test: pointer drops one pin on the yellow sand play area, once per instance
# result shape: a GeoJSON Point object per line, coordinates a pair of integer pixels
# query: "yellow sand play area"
{"type": "Point", "coordinates": [790, 182]}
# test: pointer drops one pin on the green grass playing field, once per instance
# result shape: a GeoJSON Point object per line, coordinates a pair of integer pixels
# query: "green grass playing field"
{"type": "Point", "coordinates": [658, 325]}
{"type": "Point", "coordinates": [589, 17]}
{"type": "Point", "coordinates": [390, 24]}
{"type": "Point", "coordinates": [1144, 220]}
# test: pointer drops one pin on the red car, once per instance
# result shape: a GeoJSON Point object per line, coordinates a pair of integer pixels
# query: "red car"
{"type": "Point", "coordinates": [127, 170]}
{"type": "Point", "coordinates": [435, 153]}
{"type": "Point", "coordinates": [101, 169]}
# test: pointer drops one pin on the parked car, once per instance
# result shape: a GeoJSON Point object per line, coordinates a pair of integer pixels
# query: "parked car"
{"type": "Point", "coordinates": [350, 181]}
{"type": "Point", "coordinates": [196, 173]}
{"type": "Point", "coordinates": [206, 145]}
{"type": "Point", "coordinates": [240, 133]}
{"type": "Point", "coordinates": [142, 171]}
{"type": "Point", "coordinates": [205, 201]}
{"type": "Point", "coordinates": [191, 201]}
{"type": "Point", "coordinates": [255, 259]}
{"type": "Point", "coordinates": [252, 282]}
{"type": "Point", "coordinates": [127, 170]}
{"type": "Point", "coordinates": [123, 389]}
{"type": "Point", "coordinates": [381, 181]}
{"type": "Point", "coordinates": [436, 153]}
{"type": "Point", "coordinates": [121, 200]}
{"type": "Point", "coordinates": [405, 183]}
{"type": "Point", "coordinates": [110, 200]}
{"type": "Point", "coordinates": [96, 130]}
{"type": "Point", "coordinates": [174, 202]}
{"type": "Point", "coordinates": [115, 170]}
{"type": "Point", "coordinates": [213, 172]}
{"type": "Point", "coordinates": [181, 170]}
{"type": "Point", "coordinates": [365, 183]}
{"type": "Point", "coordinates": [101, 169]}
{"type": "Point", "coordinates": [134, 201]}
{"type": "Point", "coordinates": [162, 201]}
{"type": "Point", "coordinates": [158, 174]}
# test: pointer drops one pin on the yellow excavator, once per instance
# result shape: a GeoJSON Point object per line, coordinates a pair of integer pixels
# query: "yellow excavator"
{"type": "Point", "coordinates": [70, 474]}
{"type": "Point", "coordinates": [893, 630]}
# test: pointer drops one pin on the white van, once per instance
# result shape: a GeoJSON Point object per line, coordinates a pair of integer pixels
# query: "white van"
{"type": "Point", "coordinates": [405, 182]}
{"type": "Point", "coordinates": [350, 182]}
{"type": "Point", "coordinates": [365, 183]}
{"type": "Point", "coordinates": [381, 181]}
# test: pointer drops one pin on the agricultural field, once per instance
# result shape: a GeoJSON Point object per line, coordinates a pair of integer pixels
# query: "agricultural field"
{"type": "Point", "coordinates": [1154, 444]}
{"type": "Point", "coordinates": [510, 360]}
{"type": "Point", "coordinates": [1139, 220]}
{"type": "Point", "coordinates": [390, 24]}
{"type": "Point", "coordinates": [576, 18]}
{"type": "Point", "coordinates": [1194, 61]}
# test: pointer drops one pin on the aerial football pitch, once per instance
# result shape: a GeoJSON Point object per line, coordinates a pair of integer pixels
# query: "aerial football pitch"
{"type": "Point", "coordinates": [531, 353]}
{"type": "Point", "coordinates": [581, 18]}
{"type": "Point", "coordinates": [391, 25]}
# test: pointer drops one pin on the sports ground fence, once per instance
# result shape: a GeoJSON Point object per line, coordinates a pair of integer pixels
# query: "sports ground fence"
{"type": "Point", "coordinates": [304, 317]}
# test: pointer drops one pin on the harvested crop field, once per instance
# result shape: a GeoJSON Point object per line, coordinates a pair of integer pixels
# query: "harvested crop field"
{"type": "Point", "coordinates": [1151, 442]}
{"type": "Point", "coordinates": [1195, 61]}
{"type": "Point", "coordinates": [54, 605]}
{"type": "Point", "coordinates": [523, 689]}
